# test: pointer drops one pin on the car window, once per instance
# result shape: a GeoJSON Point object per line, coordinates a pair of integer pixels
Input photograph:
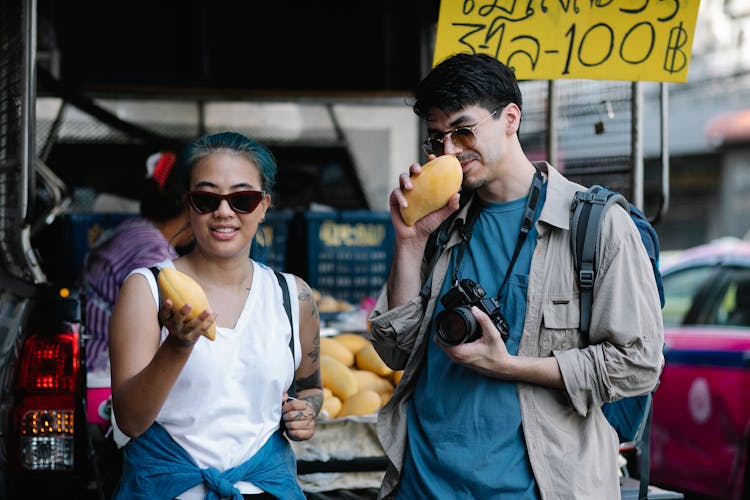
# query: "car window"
{"type": "Point", "coordinates": [733, 308]}
{"type": "Point", "coordinates": [680, 290]}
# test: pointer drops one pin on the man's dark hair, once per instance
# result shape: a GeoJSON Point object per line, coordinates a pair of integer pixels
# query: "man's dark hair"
{"type": "Point", "coordinates": [464, 80]}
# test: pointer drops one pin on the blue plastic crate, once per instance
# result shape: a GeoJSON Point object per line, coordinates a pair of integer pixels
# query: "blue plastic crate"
{"type": "Point", "coordinates": [349, 252]}
{"type": "Point", "coordinates": [270, 243]}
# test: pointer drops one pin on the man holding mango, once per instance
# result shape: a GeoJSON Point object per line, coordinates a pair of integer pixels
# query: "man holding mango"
{"type": "Point", "coordinates": [501, 392]}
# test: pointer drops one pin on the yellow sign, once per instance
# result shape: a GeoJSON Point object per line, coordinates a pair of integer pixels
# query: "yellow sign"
{"type": "Point", "coordinates": [633, 40]}
{"type": "Point", "coordinates": [358, 235]}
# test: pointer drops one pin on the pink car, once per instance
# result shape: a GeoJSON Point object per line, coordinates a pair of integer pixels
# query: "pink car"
{"type": "Point", "coordinates": [700, 435]}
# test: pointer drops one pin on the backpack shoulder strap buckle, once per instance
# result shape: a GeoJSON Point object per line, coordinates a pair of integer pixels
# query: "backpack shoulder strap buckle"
{"type": "Point", "coordinates": [584, 196]}
{"type": "Point", "coordinates": [586, 278]}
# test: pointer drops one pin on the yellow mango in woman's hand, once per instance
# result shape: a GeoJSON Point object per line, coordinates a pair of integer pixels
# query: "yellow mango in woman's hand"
{"type": "Point", "coordinates": [431, 189]}
{"type": "Point", "coordinates": [181, 289]}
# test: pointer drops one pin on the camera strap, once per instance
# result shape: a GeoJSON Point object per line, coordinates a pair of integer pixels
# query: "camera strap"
{"type": "Point", "coordinates": [439, 239]}
{"type": "Point", "coordinates": [528, 220]}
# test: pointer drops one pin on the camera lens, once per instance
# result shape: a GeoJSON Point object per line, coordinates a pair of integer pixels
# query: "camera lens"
{"type": "Point", "coordinates": [455, 326]}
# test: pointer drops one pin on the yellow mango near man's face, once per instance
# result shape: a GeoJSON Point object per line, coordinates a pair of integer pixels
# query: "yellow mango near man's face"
{"type": "Point", "coordinates": [431, 189]}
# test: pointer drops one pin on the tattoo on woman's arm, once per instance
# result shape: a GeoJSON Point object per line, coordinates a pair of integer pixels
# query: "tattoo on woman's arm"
{"type": "Point", "coordinates": [312, 382]}
{"type": "Point", "coordinates": [305, 295]}
{"type": "Point", "coordinates": [316, 400]}
{"type": "Point", "coordinates": [315, 353]}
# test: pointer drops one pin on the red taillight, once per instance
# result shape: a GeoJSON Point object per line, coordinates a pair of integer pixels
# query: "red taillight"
{"type": "Point", "coordinates": [49, 363]}
{"type": "Point", "coordinates": [47, 388]}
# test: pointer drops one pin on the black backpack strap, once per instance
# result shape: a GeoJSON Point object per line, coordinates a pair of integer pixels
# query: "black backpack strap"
{"type": "Point", "coordinates": [292, 391]}
{"type": "Point", "coordinates": [587, 213]}
{"type": "Point", "coordinates": [643, 447]}
{"type": "Point", "coordinates": [155, 271]}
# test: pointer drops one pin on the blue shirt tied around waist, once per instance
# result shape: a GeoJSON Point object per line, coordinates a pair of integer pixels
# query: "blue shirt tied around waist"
{"type": "Point", "coordinates": [156, 466]}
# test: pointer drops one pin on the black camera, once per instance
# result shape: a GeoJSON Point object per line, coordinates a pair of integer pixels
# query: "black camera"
{"type": "Point", "coordinates": [456, 325]}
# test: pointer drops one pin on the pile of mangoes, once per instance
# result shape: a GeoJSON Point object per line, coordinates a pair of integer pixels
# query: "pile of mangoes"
{"type": "Point", "coordinates": [356, 381]}
{"type": "Point", "coordinates": [327, 303]}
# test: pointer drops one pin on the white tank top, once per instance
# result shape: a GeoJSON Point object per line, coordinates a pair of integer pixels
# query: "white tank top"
{"type": "Point", "coordinates": [226, 402]}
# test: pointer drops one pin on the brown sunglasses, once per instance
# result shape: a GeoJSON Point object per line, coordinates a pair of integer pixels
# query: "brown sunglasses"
{"type": "Point", "coordinates": [242, 202]}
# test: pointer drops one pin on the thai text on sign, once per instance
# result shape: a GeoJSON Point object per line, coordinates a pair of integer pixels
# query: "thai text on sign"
{"type": "Point", "coordinates": [647, 40]}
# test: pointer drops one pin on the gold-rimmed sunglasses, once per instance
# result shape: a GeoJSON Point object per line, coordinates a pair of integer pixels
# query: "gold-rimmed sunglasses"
{"type": "Point", "coordinates": [463, 137]}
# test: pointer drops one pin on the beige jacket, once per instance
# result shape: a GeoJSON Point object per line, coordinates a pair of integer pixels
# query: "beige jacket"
{"type": "Point", "coordinates": [572, 448]}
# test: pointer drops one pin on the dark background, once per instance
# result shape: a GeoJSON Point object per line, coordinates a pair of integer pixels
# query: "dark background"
{"type": "Point", "coordinates": [304, 46]}
{"type": "Point", "coordinates": [219, 49]}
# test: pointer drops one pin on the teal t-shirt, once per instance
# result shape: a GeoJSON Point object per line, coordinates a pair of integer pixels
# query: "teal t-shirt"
{"type": "Point", "coordinates": [465, 439]}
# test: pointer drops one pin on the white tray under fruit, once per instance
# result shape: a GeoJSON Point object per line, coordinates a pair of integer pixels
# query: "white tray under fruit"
{"type": "Point", "coordinates": [347, 449]}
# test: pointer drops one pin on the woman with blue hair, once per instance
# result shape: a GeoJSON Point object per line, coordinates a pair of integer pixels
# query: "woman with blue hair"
{"type": "Point", "coordinates": [206, 417]}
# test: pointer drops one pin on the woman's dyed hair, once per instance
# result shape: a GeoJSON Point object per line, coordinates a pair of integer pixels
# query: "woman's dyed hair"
{"type": "Point", "coordinates": [233, 143]}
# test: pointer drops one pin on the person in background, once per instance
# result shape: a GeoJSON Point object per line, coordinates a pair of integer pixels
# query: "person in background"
{"type": "Point", "coordinates": [206, 417]}
{"type": "Point", "coordinates": [136, 242]}
{"type": "Point", "coordinates": [505, 409]}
